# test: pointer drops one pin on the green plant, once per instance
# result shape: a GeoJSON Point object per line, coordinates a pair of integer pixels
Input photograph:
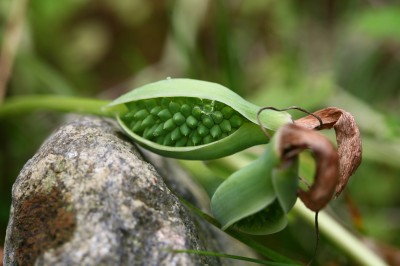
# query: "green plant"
{"type": "Point", "coordinates": [197, 120]}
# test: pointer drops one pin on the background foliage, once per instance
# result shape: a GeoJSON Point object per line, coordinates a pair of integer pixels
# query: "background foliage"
{"type": "Point", "coordinates": [275, 53]}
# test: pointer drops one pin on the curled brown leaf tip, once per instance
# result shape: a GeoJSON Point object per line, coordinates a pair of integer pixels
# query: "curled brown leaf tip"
{"type": "Point", "coordinates": [293, 139]}
{"type": "Point", "coordinates": [347, 136]}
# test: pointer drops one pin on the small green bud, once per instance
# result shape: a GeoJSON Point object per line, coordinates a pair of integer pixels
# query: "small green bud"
{"type": "Point", "coordinates": [164, 115]}
{"type": "Point", "coordinates": [150, 133]}
{"type": "Point", "coordinates": [191, 122]}
{"type": "Point", "coordinates": [137, 125]}
{"type": "Point", "coordinates": [174, 107]}
{"type": "Point", "coordinates": [236, 121]}
{"type": "Point", "coordinates": [148, 121]}
{"type": "Point", "coordinates": [142, 114]}
{"type": "Point", "coordinates": [176, 134]}
{"type": "Point", "coordinates": [227, 112]}
{"type": "Point", "coordinates": [159, 131]}
{"type": "Point", "coordinates": [215, 131]}
{"type": "Point", "coordinates": [207, 121]}
{"type": "Point", "coordinates": [197, 112]}
{"type": "Point", "coordinates": [196, 138]}
{"type": "Point", "coordinates": [202, 130]}
{"type": "Point", "coordinates": [155, 110]}
{"type": "Point", "coordinates": [169, 125]}
{"type": "Point", "coordinates": [186, 110]}
{"type": "Point", "coordinates": [168, 140]}
{"type": "Point", "coordinates": [218, 117]}
{"type": "Point", "coordinates": [179, 119]}
{"type": "Point", "coordinates": [185, 130]}
{"type": "Point", "coordinates": [226, 126]}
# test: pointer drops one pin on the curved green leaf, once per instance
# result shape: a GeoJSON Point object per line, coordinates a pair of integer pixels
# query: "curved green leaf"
{"type": "Point", "coordinates": [245, 192]}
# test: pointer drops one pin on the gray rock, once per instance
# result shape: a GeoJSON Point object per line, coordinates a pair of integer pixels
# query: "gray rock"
{"type": "Point", "coordinates": [89, 198]}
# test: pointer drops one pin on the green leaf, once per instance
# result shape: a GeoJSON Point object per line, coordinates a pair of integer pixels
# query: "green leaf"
{"type": "Point", "coordinates": [246, 192]}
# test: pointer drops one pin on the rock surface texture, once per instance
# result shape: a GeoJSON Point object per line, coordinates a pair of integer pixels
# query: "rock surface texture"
{"type": "Point", "coordinates": [89, 198]}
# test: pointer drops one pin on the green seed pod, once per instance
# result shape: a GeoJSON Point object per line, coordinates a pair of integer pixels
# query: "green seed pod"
{"type": "Point", "coordinates": [182, 103]}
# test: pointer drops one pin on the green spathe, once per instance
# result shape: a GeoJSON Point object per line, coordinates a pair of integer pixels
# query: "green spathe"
{"type": "Point", "coordinates": [217, 104]}
{"type": "Point", "coordinates": [204, 90]}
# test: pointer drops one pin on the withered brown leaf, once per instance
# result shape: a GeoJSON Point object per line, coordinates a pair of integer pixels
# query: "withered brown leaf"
{"type": "Point", "coordinates": [347, 136]}
{"type": "Point", "coordinates": [293, 139]}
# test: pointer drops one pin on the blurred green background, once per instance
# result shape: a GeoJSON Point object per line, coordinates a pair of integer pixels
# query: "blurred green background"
{"type": "Point", "coordinates": [311, 54]}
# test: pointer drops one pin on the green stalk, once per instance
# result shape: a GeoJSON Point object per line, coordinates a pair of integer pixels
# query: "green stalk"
{"type": "Point", "coordinates": [26, 104]}
{"type": "Point", "coordinates": [339, 236]}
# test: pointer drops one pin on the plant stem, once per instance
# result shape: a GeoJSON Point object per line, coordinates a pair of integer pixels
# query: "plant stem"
{"type": "Point", "coordinates": [339, 236]}
{"type": "Point", "coordinates": [27, 104]}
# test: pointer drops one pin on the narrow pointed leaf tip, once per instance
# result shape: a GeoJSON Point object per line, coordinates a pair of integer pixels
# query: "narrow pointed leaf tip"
{"type": "Point", "coordinates": [192, 119]}
{"type": "Point", "coordinates": [347, 136]}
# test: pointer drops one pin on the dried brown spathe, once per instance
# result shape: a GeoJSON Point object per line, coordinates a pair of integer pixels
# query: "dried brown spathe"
{"type": "Point", "coordinates": [293, 139]}
{"type": "Point", "coordinates": [347, 136]}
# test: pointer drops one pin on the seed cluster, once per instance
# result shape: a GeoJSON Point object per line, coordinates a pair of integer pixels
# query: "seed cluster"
{"type": "Point", "coordinates": [181, 121]}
